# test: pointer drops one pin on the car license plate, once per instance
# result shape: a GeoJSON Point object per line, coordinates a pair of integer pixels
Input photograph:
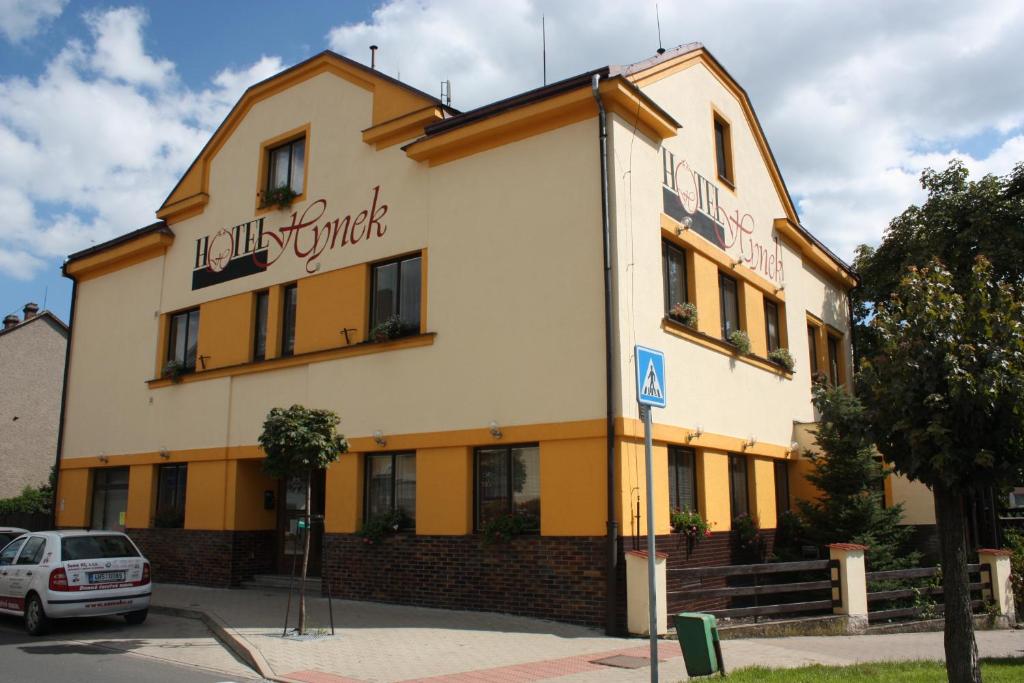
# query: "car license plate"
{"type": "Point", "coordinates": [105, 577]}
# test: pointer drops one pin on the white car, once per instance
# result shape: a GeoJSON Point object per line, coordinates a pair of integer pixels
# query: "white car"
{"type": "Point", "coordinates": [48, 575]}
{"type": "Point", "coordinates": [9, 533]}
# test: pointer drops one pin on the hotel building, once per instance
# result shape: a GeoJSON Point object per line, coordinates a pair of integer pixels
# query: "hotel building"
{"type": "Point", "coordinates": [465, 291]}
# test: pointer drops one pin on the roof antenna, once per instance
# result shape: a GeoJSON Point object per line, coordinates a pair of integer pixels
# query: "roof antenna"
{"type": "Point", "coordinates": [373, 56]}
{"type": "Point", "coordinates": [657, 16]}
{"type": "Point", "coordinates": [446, 92]}
{"type": "Point", "coordinates": [46, 291]}
{"type": "Point", "coordinates": [544, 47]}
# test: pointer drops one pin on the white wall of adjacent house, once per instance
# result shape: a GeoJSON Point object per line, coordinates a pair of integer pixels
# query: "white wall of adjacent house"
{"type": "Point", "coordinates": [705, 387]}
{"type": "Point", "coordinates": [513, 291]}
{"type": "Point", "coordinates": [31, 376]}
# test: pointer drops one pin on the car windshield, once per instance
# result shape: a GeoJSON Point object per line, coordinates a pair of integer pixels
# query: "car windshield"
{"type": "Point", "coordinates": [96, 547]}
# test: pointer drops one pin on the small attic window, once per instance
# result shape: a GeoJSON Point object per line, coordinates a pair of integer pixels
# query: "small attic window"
{"type": "Point", "coordinates": [286, 165]}
{"type": "Point", "coordinates": [723, 150]}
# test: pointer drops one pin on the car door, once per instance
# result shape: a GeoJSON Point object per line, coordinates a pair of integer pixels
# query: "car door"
{"type": "Point", "coordinates": [25, 567]}
{"type": "Point", "coordinates": [8, 600]}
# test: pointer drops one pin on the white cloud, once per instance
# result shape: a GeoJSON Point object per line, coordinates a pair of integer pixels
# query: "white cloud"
{"type": "Point", "coordinates": [855, 98]}
{"type": "Point", "coordinates": [118, 53]}
{"type": "Point", "coordinates": [19, 264]}
{"type": "Point", "coordinates": [93, 145]}
{"type": "Point", "coordinates": [848, 93]}
{"type": "Point", "coordinates": [22, 19]}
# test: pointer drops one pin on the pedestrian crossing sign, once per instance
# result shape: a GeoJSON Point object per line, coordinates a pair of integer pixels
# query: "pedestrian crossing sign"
{"type": "Point", "coordinates": [650, 377]}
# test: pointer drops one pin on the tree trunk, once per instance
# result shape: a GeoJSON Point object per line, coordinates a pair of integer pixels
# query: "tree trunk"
{"type": "Point", "coordinates": [961, 647]}
{"type": "Point", "coordinates": [305, 556]}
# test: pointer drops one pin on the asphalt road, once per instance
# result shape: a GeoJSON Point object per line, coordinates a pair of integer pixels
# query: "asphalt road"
{"type": "Point", "coordinates": [65, 655]}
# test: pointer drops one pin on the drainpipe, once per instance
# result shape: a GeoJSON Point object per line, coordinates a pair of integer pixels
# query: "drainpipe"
{"type": "Point", "coordinates": [612, 525]}
{"type": "Point", "coordinates": [63, 401]}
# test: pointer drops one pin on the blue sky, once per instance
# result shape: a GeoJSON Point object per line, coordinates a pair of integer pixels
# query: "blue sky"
{"type": "Point", "coordinates": [103, 105]}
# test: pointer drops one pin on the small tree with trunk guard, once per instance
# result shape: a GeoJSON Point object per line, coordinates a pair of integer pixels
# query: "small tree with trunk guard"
{"type": "Point", "coordinates": [945, 393]}
{"type": "Point", "coordinates": [299, 441]}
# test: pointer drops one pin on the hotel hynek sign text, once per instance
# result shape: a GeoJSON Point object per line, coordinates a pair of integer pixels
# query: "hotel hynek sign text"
{"type": "Point", "coordinates": [254, 246]}
{"type": "Point", "coordinates": [688, 194]}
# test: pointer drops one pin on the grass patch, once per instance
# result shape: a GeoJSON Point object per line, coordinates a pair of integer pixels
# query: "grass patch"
{"type": "Point", "coordinates": [1009, 670]}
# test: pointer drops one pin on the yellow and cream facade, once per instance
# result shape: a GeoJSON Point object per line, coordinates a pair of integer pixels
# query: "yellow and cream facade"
{"type": "Point", "coordinates": [478, 237]}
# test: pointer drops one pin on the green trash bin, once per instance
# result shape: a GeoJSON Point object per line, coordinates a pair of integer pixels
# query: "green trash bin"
{"type": "Point", "coordinates": [698, 638]}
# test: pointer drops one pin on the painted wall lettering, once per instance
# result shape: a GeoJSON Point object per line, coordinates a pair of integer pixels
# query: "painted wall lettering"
{"type": "Point", "coordinates": [688, 194]}
{"type": "Point", "coordinates": [252, 247]}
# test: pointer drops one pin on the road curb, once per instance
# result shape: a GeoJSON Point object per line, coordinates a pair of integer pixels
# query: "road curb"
{"type": "Point", "coordinates": [227, 636]}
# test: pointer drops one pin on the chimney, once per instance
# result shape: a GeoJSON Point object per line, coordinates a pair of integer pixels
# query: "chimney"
{"type": "Point", "coordinates": [10, 321]}
{"type": "Point", "coordinates": [30, 310]}
{"type": "Point", "coordinates": [373, 56]}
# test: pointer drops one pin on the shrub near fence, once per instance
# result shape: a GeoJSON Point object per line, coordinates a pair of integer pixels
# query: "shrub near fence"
{"type": "Point", "coordinates": [917, 593]}
{"type": "Point", "coordinates": [33, 521]}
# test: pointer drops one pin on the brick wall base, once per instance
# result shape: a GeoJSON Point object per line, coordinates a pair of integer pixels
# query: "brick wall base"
{"type": "Point", "coordinates": [550, 577]}
{"type": "Point", "coordinates": [205, 558]}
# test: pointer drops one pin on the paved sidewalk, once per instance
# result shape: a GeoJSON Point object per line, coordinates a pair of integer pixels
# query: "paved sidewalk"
{"type": "Point", "coordinates": [390, 643]}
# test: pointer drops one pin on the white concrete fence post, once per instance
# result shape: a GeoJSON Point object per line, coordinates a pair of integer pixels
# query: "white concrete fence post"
{"type": "Point", "coordinates": [852, 593]}
{"type": "Point", "coordinates": [1001, 593]}
{"type": "Point", "coordinates": [637, 607]}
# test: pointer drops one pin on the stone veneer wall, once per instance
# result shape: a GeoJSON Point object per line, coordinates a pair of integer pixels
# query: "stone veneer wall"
{"type": "Point", "coordinates": [205, 558]}
{"type": "Point", "coordinates": [550, 577]}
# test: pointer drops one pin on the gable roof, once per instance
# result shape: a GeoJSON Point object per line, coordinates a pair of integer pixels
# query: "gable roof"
{"type": "Point", "coordinates": [684, 56]}
{"type": "Point", "coordinates": [392, 99]}
{"type": "Point", "coordinates": [122, 251]}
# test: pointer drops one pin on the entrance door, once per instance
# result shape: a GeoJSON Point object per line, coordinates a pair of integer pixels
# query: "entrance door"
{"type": "Point", "coordinates": [292, 493]}
{"type": "Point", "coordinates": [109, 498]}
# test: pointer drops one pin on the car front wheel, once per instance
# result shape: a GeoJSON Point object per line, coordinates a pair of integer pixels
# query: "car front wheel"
{"type": "Point", "coordinates": [36, 621]}
{"type": "Point", "coordinates": [135, 618]}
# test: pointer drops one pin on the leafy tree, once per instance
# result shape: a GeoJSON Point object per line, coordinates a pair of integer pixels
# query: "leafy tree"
{"type": "Point", "coordinates": [851, 506]}
{"type": "Point", "coordinates": [961, 220]}
{"type": "Point", "coordinates": [945, 394]}
{"type": "Point", "coordinates": [299, 441]}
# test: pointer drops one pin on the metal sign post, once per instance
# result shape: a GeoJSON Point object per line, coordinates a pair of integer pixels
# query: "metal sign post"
{"type": "Point", "coordinates": [650, 392]}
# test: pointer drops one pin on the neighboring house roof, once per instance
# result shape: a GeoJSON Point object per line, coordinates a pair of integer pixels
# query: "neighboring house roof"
{"type": "Point", "coordinates": [47, 315]}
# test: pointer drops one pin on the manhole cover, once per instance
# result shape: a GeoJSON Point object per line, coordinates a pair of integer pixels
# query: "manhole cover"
{"type": "Point", "coordinates": [623, 662]}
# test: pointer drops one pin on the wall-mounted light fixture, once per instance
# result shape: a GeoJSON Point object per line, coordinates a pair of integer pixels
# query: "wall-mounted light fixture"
{"type": "Point", "coordinates": [495, 430]}
{"type": "Point", "coordinates": [165, 454]}
{"type": "Point", "coordinates": [684, 225]}
{"type": "Point", "coordinates": [749, 443]}
{"type": "Point", "coordinates": [104, 459]}
{"type": "Point", "coordinates": [378, 438]}
{"type": "Point", "coordinates": [737, 262]}
{"type": "Point", "coordinates": [794, 447]}
{"type": "Point", "coordinates": [780, 288]}
{"type": "Point", "coordinates": [695, 434]}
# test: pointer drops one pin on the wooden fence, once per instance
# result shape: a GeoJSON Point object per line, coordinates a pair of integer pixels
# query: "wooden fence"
{"type": "Point", "coordinates": [894, 588]}
{"type": "Point", "coordinates": [33, 521]}
{"type": "Point", "coordinates": [763, 585]}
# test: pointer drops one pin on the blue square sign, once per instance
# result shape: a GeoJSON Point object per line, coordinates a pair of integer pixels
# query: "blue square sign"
{"type": "Point", "coordinates": [650, 377]}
